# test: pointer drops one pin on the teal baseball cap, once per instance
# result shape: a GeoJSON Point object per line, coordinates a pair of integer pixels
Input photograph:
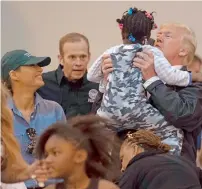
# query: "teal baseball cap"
{"type": "Point", "coordinates": [14, 59]}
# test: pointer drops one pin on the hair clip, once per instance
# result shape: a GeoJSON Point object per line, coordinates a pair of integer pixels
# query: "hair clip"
{"type": "Point", "coordinates": [130, 11]}
{"type": "Point", "coordinates": [148, 15]}
{"type": "Point", "coordinates": [154, 26]}
{"type": "Point", "coordinates": [121, 26]}
{"type": "Point", "coordinates": [131, 38]}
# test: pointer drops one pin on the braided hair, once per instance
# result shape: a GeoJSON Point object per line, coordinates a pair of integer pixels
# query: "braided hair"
{"type": "Point", "coordinates": [136, 25]}
{"type": "Point", "coordinates": [147, 140]}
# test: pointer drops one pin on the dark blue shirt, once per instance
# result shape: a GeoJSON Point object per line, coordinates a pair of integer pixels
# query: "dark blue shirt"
{"type": "Point", "coordinates": [75, 98]}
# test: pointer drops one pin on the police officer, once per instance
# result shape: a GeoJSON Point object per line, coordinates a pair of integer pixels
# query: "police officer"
{"type": "Point", "coordinates": [68, 84]}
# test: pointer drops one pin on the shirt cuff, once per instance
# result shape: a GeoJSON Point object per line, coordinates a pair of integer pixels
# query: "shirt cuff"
{"type": "Point", "coordinates": [150, 81]}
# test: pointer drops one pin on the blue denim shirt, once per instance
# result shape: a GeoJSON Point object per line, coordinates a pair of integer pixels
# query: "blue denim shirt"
{"type": "Point", "coordinates": [45, 113]}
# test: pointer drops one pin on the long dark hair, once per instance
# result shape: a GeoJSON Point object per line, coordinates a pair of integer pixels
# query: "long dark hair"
{"type": "Point", "coordinates": [90, 133]}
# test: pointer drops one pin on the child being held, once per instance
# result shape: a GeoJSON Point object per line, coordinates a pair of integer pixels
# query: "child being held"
{"type": "Point", "coordinates": [124, 99]}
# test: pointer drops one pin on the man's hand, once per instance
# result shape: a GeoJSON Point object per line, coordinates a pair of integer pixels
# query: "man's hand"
{"type": "Point", "coordinates": [107, 66]}
{"type": "Point", "coordinates": [145, 62]}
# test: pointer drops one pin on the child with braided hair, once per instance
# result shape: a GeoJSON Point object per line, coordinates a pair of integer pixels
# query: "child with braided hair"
{"type": "Point", "coordinates": [124, 100]}
{"type": "Point", "coordinates": [146, 164]}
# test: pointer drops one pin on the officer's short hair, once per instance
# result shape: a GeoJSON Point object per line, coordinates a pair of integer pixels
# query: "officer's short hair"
{"type": "Point", "coordinates": [72, 37]}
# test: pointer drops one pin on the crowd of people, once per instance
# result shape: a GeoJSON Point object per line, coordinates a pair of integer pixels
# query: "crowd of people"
{"type": "Point", "coordinates": [132, 120]}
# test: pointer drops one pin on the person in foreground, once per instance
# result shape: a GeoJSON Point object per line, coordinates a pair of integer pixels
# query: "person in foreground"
{"type": "Point", "coordinates": [79, 152]}
{"type": "Point", "coordinates": [146, 164]}
{"type": "Point", "coordinates": [14, 169]}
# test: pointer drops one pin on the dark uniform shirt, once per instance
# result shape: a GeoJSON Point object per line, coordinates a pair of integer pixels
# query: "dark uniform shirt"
{"type": "Point", "coordinates": [75, 98]}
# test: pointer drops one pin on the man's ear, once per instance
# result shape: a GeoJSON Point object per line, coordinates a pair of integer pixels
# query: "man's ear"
{"type": "Point", "coordinates": [60, 59]}
{"type": "Point", "coordinates": [183, 52]}
{"type": "Point", "coordinates": [80, 156]}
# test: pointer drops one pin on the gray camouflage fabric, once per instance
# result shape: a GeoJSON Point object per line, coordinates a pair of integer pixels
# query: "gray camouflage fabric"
{"type": "Point", "coordinates": [126, 104]}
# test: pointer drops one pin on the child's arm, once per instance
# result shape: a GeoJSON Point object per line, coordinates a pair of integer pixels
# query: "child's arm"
{"type": "Point", "coordinates": [167, 73]}
{"type": "Point", "coordinates": [95, 71]}
{"type": "Point", "coordinates": [102, 86]}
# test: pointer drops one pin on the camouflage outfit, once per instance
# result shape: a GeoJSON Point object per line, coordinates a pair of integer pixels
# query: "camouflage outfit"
{"type": "Point", "coordinates": [125, 102]}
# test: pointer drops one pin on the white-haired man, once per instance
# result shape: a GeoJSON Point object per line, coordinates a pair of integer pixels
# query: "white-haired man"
{"type": "Point", "coordinates": [181, 106]}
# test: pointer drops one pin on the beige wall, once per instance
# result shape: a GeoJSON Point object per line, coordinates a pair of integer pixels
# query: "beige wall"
{"type": "Point", "coordinates": [37, 26]}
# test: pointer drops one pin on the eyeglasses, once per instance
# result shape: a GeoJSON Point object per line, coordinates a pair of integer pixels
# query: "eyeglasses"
{"type": "Point", "coordinates": [31, 133]}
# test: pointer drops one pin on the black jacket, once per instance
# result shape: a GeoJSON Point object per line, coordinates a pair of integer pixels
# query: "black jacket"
{"type": "Point", "coordinates": [153, 170]}
{"type": "Point", "coordinates": [182, 107]}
